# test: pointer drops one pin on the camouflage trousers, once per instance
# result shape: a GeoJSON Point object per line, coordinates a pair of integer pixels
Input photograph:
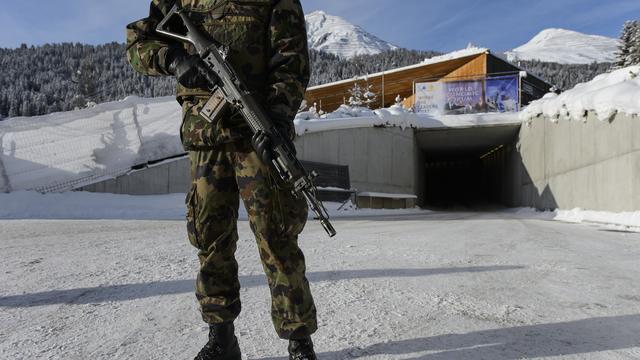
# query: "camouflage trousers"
{"type": "Point", "coordinates": [220, 178]}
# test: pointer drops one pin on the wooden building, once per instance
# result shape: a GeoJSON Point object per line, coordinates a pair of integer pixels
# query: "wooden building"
{"type": "Point", "coordinates": [462, 65]}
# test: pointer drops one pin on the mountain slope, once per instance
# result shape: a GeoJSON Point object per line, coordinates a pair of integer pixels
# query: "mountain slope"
{"type": "Point", "coordinates": [337, 36]}
{"type": "Point", "coordinates": [566, 47]}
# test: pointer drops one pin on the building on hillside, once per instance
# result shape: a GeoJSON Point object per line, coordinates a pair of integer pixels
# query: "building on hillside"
{"type": "Point", "coordinates": [469, 80]}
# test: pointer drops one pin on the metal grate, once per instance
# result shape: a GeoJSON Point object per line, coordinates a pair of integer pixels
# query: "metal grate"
{"type": "Point", "coordinates": [330, 175]}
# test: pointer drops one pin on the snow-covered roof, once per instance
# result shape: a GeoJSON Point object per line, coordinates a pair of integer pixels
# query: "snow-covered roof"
{"type": "Point", "coordinates": [606, 95]}
{"type": "Point", "coordinates": [459, 54]}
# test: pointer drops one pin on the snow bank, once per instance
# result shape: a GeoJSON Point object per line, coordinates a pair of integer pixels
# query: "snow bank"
{"type": "Point", "coordinates": [62, 151]}
{"type": "Point", "coordinates": [629, 221]}
{"type": "Point", "coordinates": [605, 96]}
{"type": "Point", "coordinates": [91, 206]}
{"type": "Point", "coordinates": [98, 206]}
{"type": "Point", "coordinates": [393, 117]}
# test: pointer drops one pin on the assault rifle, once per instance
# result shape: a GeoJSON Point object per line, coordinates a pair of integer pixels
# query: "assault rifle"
{"type": "Point", "coordinates": [231, 91]}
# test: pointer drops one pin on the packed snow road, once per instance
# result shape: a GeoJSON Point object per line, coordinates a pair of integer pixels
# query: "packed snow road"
{"type": "Point", "coordinates": [428, 286]}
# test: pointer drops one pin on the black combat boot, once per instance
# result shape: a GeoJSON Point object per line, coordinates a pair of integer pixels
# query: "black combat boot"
{"type": "Point", "coordinates": [222, 345]}
{"type": "Point", "coordinates": [301, 349]}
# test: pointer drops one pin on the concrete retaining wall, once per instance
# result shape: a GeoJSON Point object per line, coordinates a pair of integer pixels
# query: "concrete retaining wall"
{"type": "Point", "coordinates": [167, 178]}
{"type": "Point", "coordinates": [379, 160]}
{"type": "Point", "coordinates": [592, 165]}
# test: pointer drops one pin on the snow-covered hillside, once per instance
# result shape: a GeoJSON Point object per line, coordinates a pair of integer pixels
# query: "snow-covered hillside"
{"type": "Point", "coordinates": [67, 150]}
{"type": "Point", "coordinates": [337, 36]}
{"type": "Point", "coordinates": [566, 47]}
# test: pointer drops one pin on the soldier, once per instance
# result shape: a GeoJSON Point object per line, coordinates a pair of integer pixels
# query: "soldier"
{"type": "Point", "coordinates": [267, 43]}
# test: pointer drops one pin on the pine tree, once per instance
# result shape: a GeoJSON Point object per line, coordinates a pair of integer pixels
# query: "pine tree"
{"type": "Point", "coordinates": [629, 50]}
{"type": "Point", "coordinates": [633, 58]}
{"type": "Point", "coordinates": [369, 96]}
{"type": "Point", "coordinates": [356, 95]}
{"type": "Point", "coordinates": [625, 44]}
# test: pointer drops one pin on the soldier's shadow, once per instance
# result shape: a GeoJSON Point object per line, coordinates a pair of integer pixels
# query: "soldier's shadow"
{"type": "Point", "coordinates": [128, 292]}
{"type": "Point", "coordinates": [522, 342]}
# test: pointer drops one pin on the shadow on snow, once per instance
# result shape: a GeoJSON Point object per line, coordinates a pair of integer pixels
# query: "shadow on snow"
{"type": "Point", "coordinates": [522, 342]}
{"type": "Point", "coordinates": [146, 290]}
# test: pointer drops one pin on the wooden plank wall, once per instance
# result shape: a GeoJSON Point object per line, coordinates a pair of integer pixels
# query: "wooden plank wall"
{"type": "Point", "coordinates": [329, 98]}
{"type": "Point", "coordinates": [475, 68]}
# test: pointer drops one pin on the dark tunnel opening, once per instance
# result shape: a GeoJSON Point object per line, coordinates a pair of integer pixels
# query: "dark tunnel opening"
{"type": "Point", "coordinates": [467, 168]}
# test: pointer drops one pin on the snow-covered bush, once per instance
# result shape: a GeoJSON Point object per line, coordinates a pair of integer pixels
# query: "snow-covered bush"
{"type": "Point", "coordinates": [362, 95]}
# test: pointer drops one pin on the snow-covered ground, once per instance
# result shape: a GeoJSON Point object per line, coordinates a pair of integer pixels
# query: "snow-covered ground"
{"type": "Point", "coordinates": [99, 206]}
{"type": "Point", "coordinates": [425, 286]}
{"type": "Point", "coordinates": [22, 205]}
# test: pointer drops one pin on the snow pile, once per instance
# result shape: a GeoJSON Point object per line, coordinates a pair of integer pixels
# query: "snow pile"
{"type": "Point", "coordinates": [62, 151]}
{"type": "Point", "coordinates": [346, 111]}
{"type": "Point", "coordinates": [625, 220]}
{"type": "Point", "coordinates": [566, 47]}
{"type": "Point", "coordinates": [400, 118]}
{"type": "Point", "coordinates": [337, 36]}
{"type": "Point", "coordinates": [629, 221]}
{"type": "Point", "coordinates": [91, 206]}
{"type": "Point", "coordinates": [606, 95]}
{"type": "Point", "coordinates": [98, 206]}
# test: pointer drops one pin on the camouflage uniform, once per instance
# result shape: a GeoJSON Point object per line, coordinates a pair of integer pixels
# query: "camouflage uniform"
{"type": "Point", "coordinates": [268, 47]}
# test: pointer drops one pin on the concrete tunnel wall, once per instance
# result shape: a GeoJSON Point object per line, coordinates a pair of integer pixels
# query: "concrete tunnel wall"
{"type": "Point", "coordinates": [379, 160]}
{"type": "Point", "coordinates": [592, 165]}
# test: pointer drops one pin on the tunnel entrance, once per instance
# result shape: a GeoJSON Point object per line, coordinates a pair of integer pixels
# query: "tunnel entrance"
{"type": "Point", "coordinates": [469, 168]}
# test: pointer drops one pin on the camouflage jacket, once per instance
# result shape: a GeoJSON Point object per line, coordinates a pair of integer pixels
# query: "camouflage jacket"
{"type": "Point", "coordinates": [267, 42]}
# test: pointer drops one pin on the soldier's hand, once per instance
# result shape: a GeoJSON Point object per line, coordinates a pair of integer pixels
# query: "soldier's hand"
{"type": "Point", "coordinates": [190, 71]}
{"type": "Point", "coordinates": [262, 145]}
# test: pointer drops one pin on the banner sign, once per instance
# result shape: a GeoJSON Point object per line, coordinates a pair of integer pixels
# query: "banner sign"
{"type": "Point", "coordinates": [502, 94]}
{"type": "Point", "coordinates": [496, 94]}
{"type": "Point", "coordinates": [429, 98]}
{"type": "Point", "coordinates": [447, 98]}
{"type": "Point", "coordinates": [463, 97]}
